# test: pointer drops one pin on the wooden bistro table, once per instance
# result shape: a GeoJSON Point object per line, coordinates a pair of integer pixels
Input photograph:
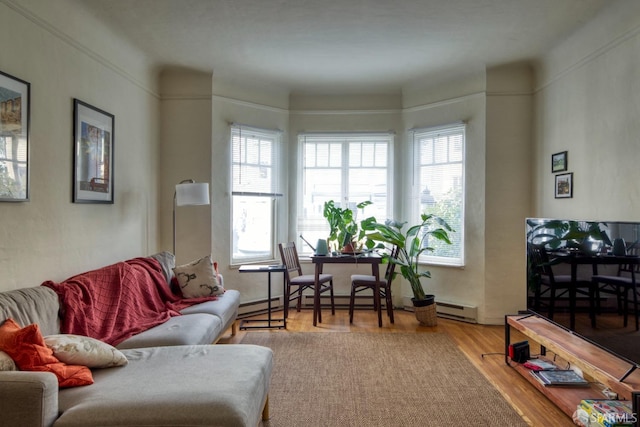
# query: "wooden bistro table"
{"type": "Point", "coordinates": [366, 258]}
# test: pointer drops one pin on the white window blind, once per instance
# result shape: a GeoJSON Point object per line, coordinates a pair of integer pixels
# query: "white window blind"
{"type": "Point", "coordinates": [348, 168]}
{"type": "Point", "coordinates": [255, 188]}
{"type": "Point", "coordinates": [439, 175]}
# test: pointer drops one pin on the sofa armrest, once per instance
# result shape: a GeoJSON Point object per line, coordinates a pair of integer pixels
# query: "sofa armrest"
{"type": "Point", "coordinates": [28, 398]}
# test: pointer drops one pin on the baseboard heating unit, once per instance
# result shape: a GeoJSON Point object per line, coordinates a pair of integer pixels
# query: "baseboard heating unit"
{"type": "Point", "coordinates": [252, 308]}
{"type": "Point", "coordinates": [450, 310]}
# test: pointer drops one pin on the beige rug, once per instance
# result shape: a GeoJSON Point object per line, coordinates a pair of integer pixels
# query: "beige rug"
{"type": "Point", "coordinates": [370, 379]}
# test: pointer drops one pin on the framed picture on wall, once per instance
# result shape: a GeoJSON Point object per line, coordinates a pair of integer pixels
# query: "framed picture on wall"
{"type": "Point", "coordinates": [564, 186]}
{"type": "Point", "coordinates": [559, 162]}
{"type": "Point", "coordinates": [14, 139]}
{"type": "Point", "coordinates": [93, 142]}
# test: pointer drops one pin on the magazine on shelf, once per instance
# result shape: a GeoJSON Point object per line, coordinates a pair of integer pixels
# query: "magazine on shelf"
{"type": "Point", "coordinates": [560, 377]}
{"type": "Point", "coordinates": [539, 365]}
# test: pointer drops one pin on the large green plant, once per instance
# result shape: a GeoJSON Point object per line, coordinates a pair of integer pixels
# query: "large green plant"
{"type": "Point", "coordinates": [343, 228]}
{"type": "Point", "coordinates": [410, 243]}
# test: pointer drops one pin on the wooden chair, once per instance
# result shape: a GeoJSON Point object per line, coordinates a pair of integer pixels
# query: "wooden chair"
{"type": "Point", "coordinates": [620, 284]}
{"type": "Point", "coordinates": [555, 286]}
{"type": "Point", "coordinates": [297, 282]}
{"type": "Point", "coordinates": [381, 289]}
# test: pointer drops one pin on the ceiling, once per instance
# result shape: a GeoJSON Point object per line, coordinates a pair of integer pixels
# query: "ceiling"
{"type": "Point", "coordinates": [342, 46]}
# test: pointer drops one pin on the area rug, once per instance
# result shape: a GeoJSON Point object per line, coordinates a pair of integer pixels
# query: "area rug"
{"type": "Point", "coordinates": [371, 379]}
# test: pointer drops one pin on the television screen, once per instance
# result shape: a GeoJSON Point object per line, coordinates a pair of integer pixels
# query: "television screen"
{"type": "Point", "coordinates": [582, 276]}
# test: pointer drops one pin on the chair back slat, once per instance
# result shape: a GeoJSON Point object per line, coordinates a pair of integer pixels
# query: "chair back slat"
{"type": "Point", "coordinates": [391, 266]}
{"type": "Point", "coordinates": [539, 259]}
{"type": "Point", "coordinates": [290, 259]}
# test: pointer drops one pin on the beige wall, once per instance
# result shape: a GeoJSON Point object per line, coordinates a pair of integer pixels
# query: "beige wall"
{"type": "Point", "coordinates": [508, 184]}
{"type": "Point", "coordinates": [255, 107]}
{"type": "Point", "coordinates": [453, 284]}
{"type": "Point", "coordinates": [49, 237]}
{"type": "Point", "coordinates": [185, 141]}
{"type": "Point", "coordinates": [588, 103]}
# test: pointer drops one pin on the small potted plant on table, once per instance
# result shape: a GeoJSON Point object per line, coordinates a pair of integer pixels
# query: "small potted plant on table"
{"type": "Point", "coordinates": [343, 228]}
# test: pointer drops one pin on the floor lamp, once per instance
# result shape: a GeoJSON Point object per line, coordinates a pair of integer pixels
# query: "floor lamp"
{"type": "Point", "coordinates": [188, 193]}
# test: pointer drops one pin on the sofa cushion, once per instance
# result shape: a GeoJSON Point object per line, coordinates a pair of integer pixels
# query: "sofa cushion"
{"type": "Point", "coordinates": [27, 348]}
{"type": "Point", "coordinates": [6, 362]}
{"type": "Point", "coordinates": [199, 278]}
{"type": "Point", "coordinates": [167, 261]}
{"type": "Point", "coordinates": [80, 350]}
{"type": "Point", "coordinates": [196, 328]}
{"type": "Point", "coordinates": [32, 305]}
{"type": "Point", "coordinates": [221, 385]}
{"type": "Point", "coordinates": [225, 307]}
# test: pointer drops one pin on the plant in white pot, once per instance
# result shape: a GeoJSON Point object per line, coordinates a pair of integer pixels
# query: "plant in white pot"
{"type": "Point", "coordinates": [411, 244]}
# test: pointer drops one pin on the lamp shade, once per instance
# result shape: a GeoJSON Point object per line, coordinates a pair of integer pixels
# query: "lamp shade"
{"type": "Point", "coordinates": [192, 193]}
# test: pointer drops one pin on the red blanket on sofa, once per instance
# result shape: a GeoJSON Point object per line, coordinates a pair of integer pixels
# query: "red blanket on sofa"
{"type": "Point", "coordinates": [116, 302]}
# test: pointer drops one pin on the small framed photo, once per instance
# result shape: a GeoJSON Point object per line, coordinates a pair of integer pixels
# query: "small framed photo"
{"type": "Point", "coordinates": [14, 139]}
{"type": "Point", "coordinates": [92, 154]}
{"type": "Point", "coordinates": [564, 186]}
{"type": "Point", "coordinates": [559, 162]}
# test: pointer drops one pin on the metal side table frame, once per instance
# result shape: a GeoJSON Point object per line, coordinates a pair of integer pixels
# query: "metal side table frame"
{"type": "Point", "coordinates": [269, 322]}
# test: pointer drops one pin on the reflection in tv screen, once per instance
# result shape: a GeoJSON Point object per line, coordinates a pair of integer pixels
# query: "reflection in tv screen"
{"type": "Point", "coordinates": [582, 276]}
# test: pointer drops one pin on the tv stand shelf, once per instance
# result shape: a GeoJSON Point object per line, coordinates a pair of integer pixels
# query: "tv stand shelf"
{"type": "Point", "coordinates": [601, 368]}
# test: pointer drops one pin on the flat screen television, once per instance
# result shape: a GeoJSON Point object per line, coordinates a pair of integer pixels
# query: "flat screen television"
{"type": "Point", "coordinates": [591, 238]}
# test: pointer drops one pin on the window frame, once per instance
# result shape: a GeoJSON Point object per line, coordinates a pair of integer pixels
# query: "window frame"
{"type": "Point", "coordinates": [275, 137]}
{"type": "Point", "coordinates": [344, 138]}
{"type": "Point", "coordinates": [415, 138]}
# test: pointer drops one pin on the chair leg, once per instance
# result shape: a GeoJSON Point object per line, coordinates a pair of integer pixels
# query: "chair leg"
{"type": "Point", "coordinates": [552, 299]}
{"type": "Point", "coordinates": [377, 303]}
{"type": "Point", "coordinates": [287, 295]}
{"type": "Point", "coordinates": [318, 302]}
{"type": "Point", "coordinates": [299, 302]}
{"type": "Point", "coordinates": [389, 305]}
{"type": "Point", "coordinates": [592, 303]}
{"type": "Point", "coordinates": [572, 308]}
{"type": "Point", "coordinates": [333, 305]}
{"type": "Point", "coordinates": [626, 306]}
{"type": "Point", "coordinates": [352, 301]}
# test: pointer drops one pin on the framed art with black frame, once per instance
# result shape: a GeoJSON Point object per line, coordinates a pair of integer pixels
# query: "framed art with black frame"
{"type": "Point", "coordinates": [14, 138]}
{"type": "Point", "coordinates": [559, 162]}
{"type": "Point", "coordinates": [93, 143]}
{"type": "Point", "coordinates": [564, 186]}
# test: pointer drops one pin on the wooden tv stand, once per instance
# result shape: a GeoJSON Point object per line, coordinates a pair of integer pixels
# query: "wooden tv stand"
{"type": "Point", "coordinates": [601, 368]}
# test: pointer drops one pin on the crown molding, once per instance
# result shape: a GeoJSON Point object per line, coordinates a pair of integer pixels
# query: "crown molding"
{"type": "Point", "coordinates": [27, 14]}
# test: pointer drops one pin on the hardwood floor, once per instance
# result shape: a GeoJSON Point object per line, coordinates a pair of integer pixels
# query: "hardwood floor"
{"type": "Point", "coordinates": [483, 345]}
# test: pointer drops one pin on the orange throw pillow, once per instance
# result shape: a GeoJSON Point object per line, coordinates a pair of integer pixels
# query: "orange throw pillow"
{"type": "Point", "coordinates": [27, 348]}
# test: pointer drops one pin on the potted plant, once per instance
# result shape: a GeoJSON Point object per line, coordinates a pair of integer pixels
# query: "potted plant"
{"type": "Point", "coordinates": [411, 244]}
{"type": "Point", "coordinates": [343, 228]}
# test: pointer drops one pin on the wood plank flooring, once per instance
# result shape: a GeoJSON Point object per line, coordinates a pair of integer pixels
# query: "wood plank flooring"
{"type": "Point", "coordinates": [482, 344]}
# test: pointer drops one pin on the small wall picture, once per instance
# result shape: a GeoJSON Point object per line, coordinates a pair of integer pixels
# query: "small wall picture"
{"type": "Point", "coordinates": [559, 162]}
{"type": "Point", "coordinates": [92, 154]}
{"type": "Point", "coordinates": [564, 186]}
{"type": "Point", "coordinates": [14, 139]}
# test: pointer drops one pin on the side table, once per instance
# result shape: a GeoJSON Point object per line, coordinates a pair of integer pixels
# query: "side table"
{"type": "Point", "coordinates": [269, 322]}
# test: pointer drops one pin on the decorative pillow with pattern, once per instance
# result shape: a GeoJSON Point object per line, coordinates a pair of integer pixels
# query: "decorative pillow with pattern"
{"type": "Point", "coordinates": [86, 351]}
{"type": "Point", "coordinates": [199, 278]}
{"type": "Point", "coordinates": [27, 348]}
{"type": "Point", "coordinates": [6, 362]}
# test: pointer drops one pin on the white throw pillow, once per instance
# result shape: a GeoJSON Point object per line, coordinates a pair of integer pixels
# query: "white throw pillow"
{"type": "Point", "coordinates": [6, 362]}
{"type": "Point", "coordinates": [85, 351]}
{"type": "Point", "coordinates": [198, 279]}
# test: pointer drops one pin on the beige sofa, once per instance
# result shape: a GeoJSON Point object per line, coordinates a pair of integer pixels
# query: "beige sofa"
{"type": "Point", "coordinates": [173, 375]}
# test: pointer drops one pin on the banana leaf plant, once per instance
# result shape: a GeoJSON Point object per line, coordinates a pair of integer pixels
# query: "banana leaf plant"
{"type": "Point", "coordinates": [411, 244]}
